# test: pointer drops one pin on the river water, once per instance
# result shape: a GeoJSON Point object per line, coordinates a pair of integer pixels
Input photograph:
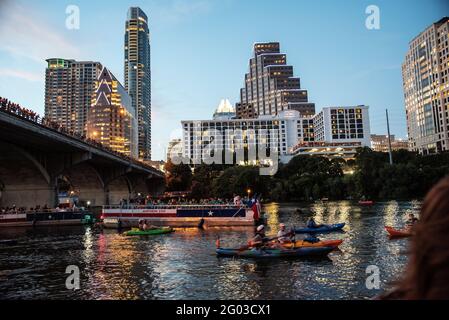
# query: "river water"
{"type": "Point", "coordinates": [183, 265]}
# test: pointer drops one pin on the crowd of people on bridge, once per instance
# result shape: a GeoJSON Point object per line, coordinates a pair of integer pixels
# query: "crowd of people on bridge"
{"type": "Point", "coordinates": [18, 110]}
{"type": "Point", "coordinates": [15, 108]}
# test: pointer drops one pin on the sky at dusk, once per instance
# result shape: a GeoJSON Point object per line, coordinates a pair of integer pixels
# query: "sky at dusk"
{"type": "Point", "coordinates": [200, 51]}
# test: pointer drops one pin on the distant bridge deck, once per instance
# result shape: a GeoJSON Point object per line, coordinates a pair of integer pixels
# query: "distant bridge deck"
{"type": "Point", "coordinates": [20, 130]}
{"type": "Point", "coordinates": [35, 154]}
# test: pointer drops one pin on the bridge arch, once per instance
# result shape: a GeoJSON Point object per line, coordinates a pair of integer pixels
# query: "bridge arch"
{"type": "Point", "coordinates": [118, 189]}
{"type": "Point", "coordinates": [87, 182]}
{"type": "Point", "coordinates": [26, 182]}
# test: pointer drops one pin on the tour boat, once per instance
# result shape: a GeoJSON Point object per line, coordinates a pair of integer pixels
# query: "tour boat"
{"type": "Point", "coordinates": [46, 218]}
{"type": "Point", "coordinates": [177, 215]}
{"type": "Point", "coordinates": [366, 202]}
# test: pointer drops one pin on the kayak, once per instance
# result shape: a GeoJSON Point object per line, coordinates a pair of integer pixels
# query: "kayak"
{"type": "Point", "coordinates": [398, 233]}
{"type": "Point", "coordinates": [322, 229]}
{"type": "Point", "coordinates": [274, 253]}
{"type": "Point", "coordinates": [151, 232]}
{"type": "Point", "coordinates": [8, 242]}
{"type": "Point", "coordinates": [306, 244]}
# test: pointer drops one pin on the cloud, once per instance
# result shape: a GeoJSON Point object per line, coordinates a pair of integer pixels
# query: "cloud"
{"type": "Point", "coordinates": [24, 75]}
{"type": "Point", "coordinates": [31, 37]}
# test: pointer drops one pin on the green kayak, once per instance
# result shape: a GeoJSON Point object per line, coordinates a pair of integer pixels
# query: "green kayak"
{"type": "Point", "coordinates": [137, 232]}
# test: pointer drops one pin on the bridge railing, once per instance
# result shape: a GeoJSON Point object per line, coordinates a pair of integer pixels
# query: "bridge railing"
{"type": "Point", "coordinates": [31, 116]}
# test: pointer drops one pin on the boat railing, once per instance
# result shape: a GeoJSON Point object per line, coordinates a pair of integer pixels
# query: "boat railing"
{"type": "Point", "coordinates": [180, 206]}
{"type": "Point", "coordinates": [42, 211]}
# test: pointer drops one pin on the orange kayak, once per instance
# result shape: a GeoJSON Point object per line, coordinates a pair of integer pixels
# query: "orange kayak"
{"type": "Point", "coordinates": [325, 243]}
{"type": "Point", "coordinates": [398, 233]}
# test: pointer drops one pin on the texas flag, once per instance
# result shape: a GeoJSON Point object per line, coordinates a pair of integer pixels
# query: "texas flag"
{"type": "Point", "coordinates": [255, 209]}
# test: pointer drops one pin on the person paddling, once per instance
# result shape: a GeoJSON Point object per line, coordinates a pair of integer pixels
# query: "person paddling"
{"type": "Point", "coordinates": [312, 224]}
{"type": "Point", "coordinates": [283, 235]}
{"type": "Point", "coordinates": [411, 221]}
{"type": "Point", "coordinates": [259, 238]}
{"type": "Point", "coordinates": [141, 225]}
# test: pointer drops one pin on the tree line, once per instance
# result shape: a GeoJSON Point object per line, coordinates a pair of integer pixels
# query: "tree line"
{"type": "Point", "coordinates": [368, 176]}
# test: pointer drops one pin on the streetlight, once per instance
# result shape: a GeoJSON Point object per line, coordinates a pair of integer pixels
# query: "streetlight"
{"type": "Point", "coordinates": [249, 192]}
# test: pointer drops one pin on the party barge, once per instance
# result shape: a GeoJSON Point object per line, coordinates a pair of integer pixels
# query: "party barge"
{"type": "Point", "coordinates": [178, 215]}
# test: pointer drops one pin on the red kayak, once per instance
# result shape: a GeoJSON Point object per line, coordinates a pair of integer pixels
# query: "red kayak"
{"type": "Point", "coordinates": [398, 233]}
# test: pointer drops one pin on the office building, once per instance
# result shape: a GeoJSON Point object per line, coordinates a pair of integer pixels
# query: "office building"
{"type": "Point", "coordinates": [425, 74]}
{"type": "Point", "coordinates": [342, 124]}
{"type": "Point", "coordinates": [270, 86]}
{"type": "Point", "coordinates": [138, 75]}
{"type": "Point", "coordinates": [112, 118]}
{"type": "Point", "coordinates": [69, 86]}
{"type": "Point", "coordinates": [245, 111]}
{"type": "Point", "coordinates": [379, 143]}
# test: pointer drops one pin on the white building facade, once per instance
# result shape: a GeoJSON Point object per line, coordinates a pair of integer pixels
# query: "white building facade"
{"type": "Point", "coordinates": [342, 124]}
{"type": "Point", "coordinates": [288, 134]}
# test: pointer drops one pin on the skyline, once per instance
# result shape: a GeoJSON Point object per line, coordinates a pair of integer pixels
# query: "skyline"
{"type": "Point", "coordinates": [188, 84]}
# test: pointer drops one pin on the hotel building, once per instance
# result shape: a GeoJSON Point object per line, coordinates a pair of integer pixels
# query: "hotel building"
{"type": "Point", "coordinates": [138, 75]}
{"type": "Point", "coordinates": [112, 118]}
{"type": "Point", "coordinates": [69, 86]}
{"type": "Point", "coordinates": [341, 124]}
{"type": "Point", "coordinates": [270, 86]}
{"type": "Point", "coordinates": [426, 89]}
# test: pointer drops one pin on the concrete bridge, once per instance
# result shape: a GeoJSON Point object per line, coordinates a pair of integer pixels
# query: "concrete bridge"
{"type": "Point", "coordinates": [34, 157]}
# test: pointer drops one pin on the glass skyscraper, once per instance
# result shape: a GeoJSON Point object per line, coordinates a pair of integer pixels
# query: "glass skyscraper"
{"type": "Point", "coordinates": [425, 74]}
{"type": "Point", "coordinates": [138, 75]}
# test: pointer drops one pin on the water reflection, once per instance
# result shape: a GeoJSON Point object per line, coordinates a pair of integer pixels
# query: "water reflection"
{"type": "Point", "coordinates": [183, 265]}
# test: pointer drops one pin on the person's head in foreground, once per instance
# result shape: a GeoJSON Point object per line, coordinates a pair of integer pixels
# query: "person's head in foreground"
{"type": "Point", "coordinates": [427, 273]}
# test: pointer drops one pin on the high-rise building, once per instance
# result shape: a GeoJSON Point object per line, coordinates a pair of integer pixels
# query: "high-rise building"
{"type": "Point", "coordinates": [138, 75]}
{"type": "Point", "coordinates": [224, 110]}
{"type": "Point", "coordinates": [340, 124]}
{"type": "Point", "coordinates": [380, 143]}
{"type": "Point", "coordinates": [425, 74]}
{"type": "Point", "coordinates": [245, 111]}
{"type": "Point", "coordinates": [174, 148]}
{"type": "Point", "coordinates": [270, 86]}
{"type": "Point", "coordinates": [112, 119]}
{"type": "Point", "coordinates": [69, 86]}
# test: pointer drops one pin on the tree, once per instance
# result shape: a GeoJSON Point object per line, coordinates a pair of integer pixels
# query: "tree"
{"type": "Point", "coordinates": [178, 177]}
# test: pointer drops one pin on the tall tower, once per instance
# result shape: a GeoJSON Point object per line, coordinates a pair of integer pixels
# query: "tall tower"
{"type": "Point", "coordinates": [425, 74]}
{"type": "Point", "coordinates": [111, 119]}
{"type": "Point", "coordinates": [138, 75]}
{"type": "Point", "coordinates": [69, 86]}
{"type": "Point", "coordinates": [270, 86]}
